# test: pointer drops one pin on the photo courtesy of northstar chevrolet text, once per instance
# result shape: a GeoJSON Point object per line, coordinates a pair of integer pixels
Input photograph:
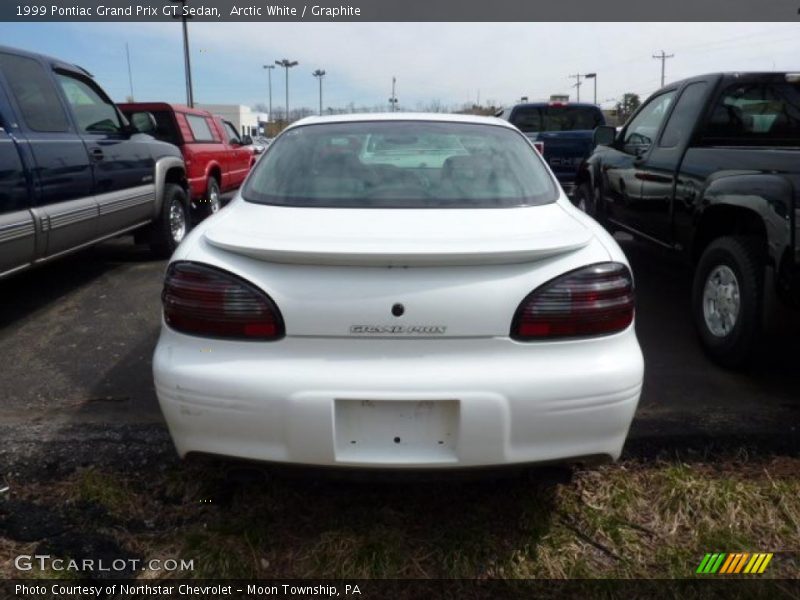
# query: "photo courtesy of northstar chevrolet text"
{"type": "Point", "coordinates": [399, 300]}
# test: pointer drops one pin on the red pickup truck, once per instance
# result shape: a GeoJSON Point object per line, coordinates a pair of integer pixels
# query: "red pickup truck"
{"type": "Point", "coordinates": [217, 158]}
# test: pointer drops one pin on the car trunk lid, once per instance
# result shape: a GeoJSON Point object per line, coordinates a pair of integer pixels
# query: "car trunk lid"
{"type": "Point", "coordinates": [397, 237]}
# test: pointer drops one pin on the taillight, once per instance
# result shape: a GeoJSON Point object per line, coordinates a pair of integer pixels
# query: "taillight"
{"type": "Point", "coordinates": [593, 300]}
{"type": "Point", "coordinates": [205, 301]}
{"type": "Point", "coordinates": [539, 146]}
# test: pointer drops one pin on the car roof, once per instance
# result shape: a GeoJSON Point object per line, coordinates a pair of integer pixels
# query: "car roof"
{"type": "Point", "coordinates": [559, 103]}
{"type": "Point", "coordinates": [56, 62]}
{"type": "Point", "coordinates": [770, 76]}
{"type": "Point", "coordinates": [402, 116]}
{"type": "Point", "coordinates": [182, 108]}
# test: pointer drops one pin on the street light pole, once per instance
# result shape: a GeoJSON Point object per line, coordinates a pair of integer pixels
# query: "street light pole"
{"type": "Point", "coordinates": [393, 99]}
{"type": "Point", "coordinates": [186, 62]}
{"type": "Point", "coordinates": [287, 64]}
{"type": "Point", "coordinates": [269, 69]}
{"type": "Point", "coordinates": [593, 76]}
{"type": "Point", "coordinates": [130, 74]}
{"type": "Point", "coordinates": [319, 74]}
{"type": "Point", "coordinates": [578, 84]}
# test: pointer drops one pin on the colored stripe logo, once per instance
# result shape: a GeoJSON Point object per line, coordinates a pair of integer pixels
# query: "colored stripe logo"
{"type": "Point", "coordinates": [734, 563]}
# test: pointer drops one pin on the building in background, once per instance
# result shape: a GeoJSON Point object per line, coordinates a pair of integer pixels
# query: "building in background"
{"type": "Point", "coordinates": [243, 118]}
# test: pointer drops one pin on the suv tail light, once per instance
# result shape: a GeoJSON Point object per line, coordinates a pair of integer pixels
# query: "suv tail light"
{"type": "Point", "coordinates": [593, 300]}
{"type": "Point", "coordinates": [204, 301]}
{"type": "Point", "coordinates": [539, 146]}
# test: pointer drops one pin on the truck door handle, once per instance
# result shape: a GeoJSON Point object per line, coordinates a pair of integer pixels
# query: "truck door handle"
{"type": "Point", "coordinates": [97, 154]}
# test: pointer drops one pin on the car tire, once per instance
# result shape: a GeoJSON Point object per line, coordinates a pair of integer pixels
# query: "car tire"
{"type": "Point", "coordinates": [213, 200]}
{"type": "Point", "coordinates": [726, 298]}
{"type": "Point", "coordinates": [584, 199]}
{"type": "Point", "coordinates": [173, 224]}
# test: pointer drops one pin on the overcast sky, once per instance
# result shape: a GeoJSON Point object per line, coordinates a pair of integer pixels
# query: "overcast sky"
{"type": "Point", "coordinates": [446, 62]}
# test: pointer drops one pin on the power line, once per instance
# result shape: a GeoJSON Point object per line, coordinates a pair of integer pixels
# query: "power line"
{"type": "Point", "coordinates": [663, 58]}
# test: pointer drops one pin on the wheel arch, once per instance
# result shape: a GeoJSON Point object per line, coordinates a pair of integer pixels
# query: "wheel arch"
{"type": "Point", "coordinates": [168, 169]}
{"type": "Point", "coordinates": [214, 169]}
{"type": "Point", "coordinates": [746, 204]}
{"type": "Point", "coordinates": [725, 219]}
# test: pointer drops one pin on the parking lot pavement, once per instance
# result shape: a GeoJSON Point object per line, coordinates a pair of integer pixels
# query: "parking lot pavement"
{"type": "Point", "coordinates": [687, 399]}
{"type": "Point", "coordinates": [77, 338]}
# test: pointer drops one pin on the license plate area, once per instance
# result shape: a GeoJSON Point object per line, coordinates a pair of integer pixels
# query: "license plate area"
{"type": "Point", "coordinates": [396, 431]}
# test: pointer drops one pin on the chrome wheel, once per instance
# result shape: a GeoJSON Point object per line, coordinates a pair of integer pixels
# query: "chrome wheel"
{"type": "Point", "coordinates": [177, 221]}
{"type": "Point", "coordinates": [214, 202]}
{"type": "Point", "coordinates": [721, 301]}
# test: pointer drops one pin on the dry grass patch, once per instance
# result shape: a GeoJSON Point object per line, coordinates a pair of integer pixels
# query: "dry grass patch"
{"type": "Point", "coordinates": [630, 520]}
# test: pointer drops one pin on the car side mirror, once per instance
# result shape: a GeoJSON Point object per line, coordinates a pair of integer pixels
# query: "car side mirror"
{"type": "Point", "coordinates": [247, 140]}
{"type": "Point", "coordinates": [604, 135]}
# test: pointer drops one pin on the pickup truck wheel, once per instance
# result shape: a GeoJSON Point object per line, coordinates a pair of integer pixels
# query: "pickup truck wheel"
{"type": "Point", "coordinates": [213, 197]}
{"type": "Point", "coordinates": [584, 199]}
{"type": "Point", "coordinates": [726, 298]}
{"type": "Point", "coordinates": [173, 224]}
{"type": "Point", "coordinates": [212, 203]}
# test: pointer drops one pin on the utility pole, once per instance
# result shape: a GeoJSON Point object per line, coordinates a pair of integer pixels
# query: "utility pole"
{"type": "Point", "coordinates": [130, 75]}
{"type": "Point", "coordinates": [393, 99]}
{"type": "Point", "coordinates": [287, 64]}
{"type": "Point", "coordinates": [663, 58]}
{"type": "Point", "coordinates": [269, 69]}
{"type": "Point", "coordinates": [594, 77]}
{"type": "Point", "coordinates": [319, 74]}
{"type": "Point", "coordinates": [186, 63]}
{"type": "Point", "coordinates": [577, 78]}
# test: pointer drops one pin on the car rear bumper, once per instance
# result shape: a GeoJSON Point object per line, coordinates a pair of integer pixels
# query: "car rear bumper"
{"type": "Point", "coordinates": [399, 403]}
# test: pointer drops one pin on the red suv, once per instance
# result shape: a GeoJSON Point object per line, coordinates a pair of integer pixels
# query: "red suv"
{"type": "Point", "coordinates": [217, 158]}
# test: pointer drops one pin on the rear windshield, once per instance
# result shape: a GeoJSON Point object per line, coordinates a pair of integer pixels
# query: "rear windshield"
{"type": "Point", "coordinates": [400, 164]}
{"type": "Point", "coordinates": [556, 118]}
{"type": "Point", "coordinates": [166, 129]}
{"type": "Point", "coordinates": [756, 114]}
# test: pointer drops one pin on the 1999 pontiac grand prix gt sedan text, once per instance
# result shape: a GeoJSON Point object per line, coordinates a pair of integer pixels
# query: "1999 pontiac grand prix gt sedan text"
{"type": "Point", "coordinates": [409, 291]}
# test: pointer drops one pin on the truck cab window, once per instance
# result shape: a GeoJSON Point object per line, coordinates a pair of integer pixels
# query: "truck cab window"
{"type": "Point", "coordinates": [681, 121]}
{"type": "Point", "coordinates": [233, 135]}
{"type": "Point", "coordinates": [642, 130]}
{"type": "Point", "coordinates": [201, 130]}
{"type": "Point", "coordinates": [756, 114]}
{"type": "Point", "coordinates": [93, 111]}
{"type": "Point", "coordinates": [35, 94]}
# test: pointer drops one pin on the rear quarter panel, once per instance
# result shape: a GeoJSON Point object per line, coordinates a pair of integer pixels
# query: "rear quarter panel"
{"type": "Point", "coordinates": [759, 180]}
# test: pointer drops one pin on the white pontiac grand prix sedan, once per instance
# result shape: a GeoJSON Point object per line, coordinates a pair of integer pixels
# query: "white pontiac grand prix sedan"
{"type": "Point", "coordinates": [399, 291]}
